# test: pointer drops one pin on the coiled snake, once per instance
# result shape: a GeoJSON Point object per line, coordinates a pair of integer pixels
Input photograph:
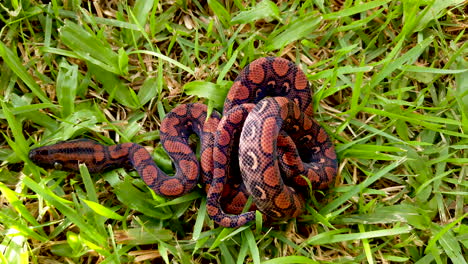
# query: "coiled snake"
{"type": "Point", "coordinates": [266, 131]}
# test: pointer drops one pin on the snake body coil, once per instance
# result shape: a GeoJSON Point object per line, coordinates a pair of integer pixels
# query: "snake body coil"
{"type": "Point", "coordinates": [266, 143]}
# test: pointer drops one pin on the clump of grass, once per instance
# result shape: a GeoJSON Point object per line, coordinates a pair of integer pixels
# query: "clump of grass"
{"type": "Point", "coordinates": [390, 86]}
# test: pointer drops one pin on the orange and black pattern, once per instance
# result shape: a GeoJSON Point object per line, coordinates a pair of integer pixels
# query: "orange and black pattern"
{"type": "Point", "coordinates": [266, 146]}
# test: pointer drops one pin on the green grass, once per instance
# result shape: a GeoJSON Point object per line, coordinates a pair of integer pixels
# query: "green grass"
{"type": "Point", "coordinates": [390, 84]}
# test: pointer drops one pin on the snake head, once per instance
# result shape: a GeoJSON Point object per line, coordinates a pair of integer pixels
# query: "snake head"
{"type": "Point", "coordinates": [46, 158]}
{"type": "Point", "coordinates": [65, 155]}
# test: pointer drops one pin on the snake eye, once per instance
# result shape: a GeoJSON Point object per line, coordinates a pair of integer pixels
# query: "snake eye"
{"type": "Point", "coordinates": [58, 165]}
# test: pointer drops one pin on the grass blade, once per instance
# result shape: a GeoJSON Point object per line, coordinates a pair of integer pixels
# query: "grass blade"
{"type": "Point", "coordinates": [300, 28]}
{"type": "Point", "coordinates": [264, 9]}
{"type": "Point", "coordinates": [63, 207]}
{"type": "Point", "coordinates": [335, 238]}
{"type": "Point", "coordinates": [15, 65]}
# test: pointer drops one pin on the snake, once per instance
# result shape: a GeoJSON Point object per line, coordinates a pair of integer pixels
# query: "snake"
{"type": "Point", "coordinates": [266, 147]}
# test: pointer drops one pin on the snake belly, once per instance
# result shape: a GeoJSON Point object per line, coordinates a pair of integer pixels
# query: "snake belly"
{"type": "Point", "coordinates": [266, 146]}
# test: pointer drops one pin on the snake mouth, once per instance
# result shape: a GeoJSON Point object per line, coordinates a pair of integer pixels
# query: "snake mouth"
{"type": "Point", "coordinates": [40, 156]}
{"type": "Point", "coordinates": [46, 158]}
{"type": "Point", "coordinates": [35, 154]}
{"type": "Point", "coordinates": [32, 154]}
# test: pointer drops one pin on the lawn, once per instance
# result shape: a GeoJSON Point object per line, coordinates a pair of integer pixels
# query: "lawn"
{"type": "Point", "coordinates": [390, 86]}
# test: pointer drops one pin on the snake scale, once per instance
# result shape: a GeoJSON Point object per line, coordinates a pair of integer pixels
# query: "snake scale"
{"type": "Point", "coordinates": [266, 146]}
